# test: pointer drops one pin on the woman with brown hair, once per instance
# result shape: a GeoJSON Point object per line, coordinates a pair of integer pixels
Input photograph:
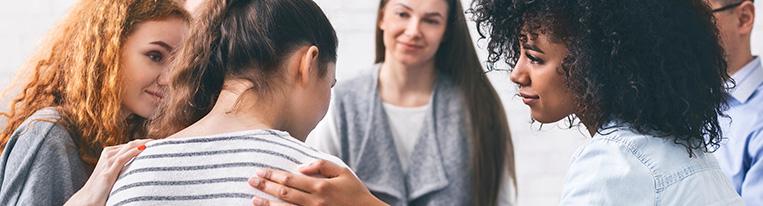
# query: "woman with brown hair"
{"type": "Point", "coordinates": [93, 85]}
{"type": "Point", "coordinates": [423, 126]}
{"type": "Point", "coordinates": [247, 87]}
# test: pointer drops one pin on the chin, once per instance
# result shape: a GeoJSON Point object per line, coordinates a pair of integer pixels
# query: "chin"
{"type": "Point", "coordinates": [545, 119]}
{"type": "Point", "coordinates": [145, 112]}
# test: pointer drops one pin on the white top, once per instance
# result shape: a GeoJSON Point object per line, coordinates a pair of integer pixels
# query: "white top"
{"type": "Point", "coordinates": [209, 170]}
{"type": "Point", "coordinates": [406, 129]}
{"type": "Point", "coordinates": [406, 124]}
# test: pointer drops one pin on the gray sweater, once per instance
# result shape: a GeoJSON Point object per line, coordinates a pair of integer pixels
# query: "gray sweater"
{"type": "Point", "coordinates": [40, 165]}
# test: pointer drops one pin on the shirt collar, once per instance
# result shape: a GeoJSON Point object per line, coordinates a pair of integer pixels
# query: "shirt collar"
{"type": "Point", "coordinates": [747, 79]}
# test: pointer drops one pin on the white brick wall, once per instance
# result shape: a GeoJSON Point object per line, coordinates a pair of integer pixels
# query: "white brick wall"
{"type": "Point", "coordinates": [23, 24]}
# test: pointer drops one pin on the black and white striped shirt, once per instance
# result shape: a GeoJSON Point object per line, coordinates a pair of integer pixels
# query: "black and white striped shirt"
{"type": "Point", "coordinates": [208, 170]}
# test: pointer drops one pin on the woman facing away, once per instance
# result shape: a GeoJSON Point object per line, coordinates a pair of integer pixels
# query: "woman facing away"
{"type": "Point", "coordinates": [246, 88]}
{"type": "Point", "coordinates": [92, 86]}
{"type": "Point", "coordinates": [646, 77]}
{"type": "Point", "coordinates": [423, 126]}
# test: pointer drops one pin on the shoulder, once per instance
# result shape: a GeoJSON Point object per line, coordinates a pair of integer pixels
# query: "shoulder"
{"type": "Point", "coordinates": [606, 171]}
{"type": "Point", "coordinates": [358, 84]}
{"type": "Point", "coordinates": [41, 157]}
{"type": "Point", "coordinates": [43, 131]}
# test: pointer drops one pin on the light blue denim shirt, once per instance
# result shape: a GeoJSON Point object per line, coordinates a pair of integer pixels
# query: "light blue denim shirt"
{"type": "Point", "coordinates": [621, 167]}
{"type": "Point", "coordinates": [741, 153]}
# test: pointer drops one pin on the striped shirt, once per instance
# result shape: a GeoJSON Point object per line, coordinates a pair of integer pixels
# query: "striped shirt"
{"type": "Point", "coordinates": [208, 170]}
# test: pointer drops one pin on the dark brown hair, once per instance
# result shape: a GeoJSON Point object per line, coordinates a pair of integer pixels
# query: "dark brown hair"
{"type": "Point", "coordinates": [491, 150]}
{"type": "Point", "coordinates": [242, 38]}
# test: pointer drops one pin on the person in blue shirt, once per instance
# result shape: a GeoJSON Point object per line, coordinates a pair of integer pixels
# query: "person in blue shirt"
{"type": "Point", "coordinates": [741, 152]}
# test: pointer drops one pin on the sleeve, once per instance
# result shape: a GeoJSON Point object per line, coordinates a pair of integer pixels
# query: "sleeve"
{"type": "Point", "coordinates": [325, 137]}
{"type": "Point", "coordinates": [42, 167]}
{"type": "Point", "coordinates": [752, 186]}
{"type": "Point", "coordinates": [605, 173]}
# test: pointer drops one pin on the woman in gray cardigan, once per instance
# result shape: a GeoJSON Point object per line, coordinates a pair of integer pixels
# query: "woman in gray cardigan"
{"type": "Point", "coordinates": [423, 126]}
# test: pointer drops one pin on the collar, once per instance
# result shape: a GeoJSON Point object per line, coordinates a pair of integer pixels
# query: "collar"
{"type": "Point", "coordinates": [747, 79]}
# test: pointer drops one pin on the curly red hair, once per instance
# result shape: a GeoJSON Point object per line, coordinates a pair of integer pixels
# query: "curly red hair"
{"type": "Point", "coordinates": [77, 72]}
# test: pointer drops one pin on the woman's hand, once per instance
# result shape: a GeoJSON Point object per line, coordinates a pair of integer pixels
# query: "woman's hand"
{"type": "Point", "coordinates": [113, 159]}
{"type": "Point", "coordinates": [340, 187]}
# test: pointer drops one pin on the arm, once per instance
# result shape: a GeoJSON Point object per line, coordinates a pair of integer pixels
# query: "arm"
{"type": "Point", "coordinates": [340, 187]}
{"type": "Point", "coordinates": [752, 186]}
{"type": "Point", "coordinates": [110, 164]}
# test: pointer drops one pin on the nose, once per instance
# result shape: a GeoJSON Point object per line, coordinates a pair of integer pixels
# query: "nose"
{"type": "Point", "coordinates": [164, 78]}
{"type": "Point", "coordinates": [519, 75]}
{"type": "Point", "coordinates": [412, 29]}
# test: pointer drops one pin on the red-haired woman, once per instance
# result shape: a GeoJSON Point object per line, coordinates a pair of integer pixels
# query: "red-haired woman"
{"type": "Point", "coordinates": [92, 86]}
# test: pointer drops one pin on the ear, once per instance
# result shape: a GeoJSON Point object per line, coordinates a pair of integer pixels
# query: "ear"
{"type": "Point", "coordinates": [308, 64]}
{"type": "Point", "coordinates": [380, 19]}
{"type": "Point", "coordinates": [746, 17]}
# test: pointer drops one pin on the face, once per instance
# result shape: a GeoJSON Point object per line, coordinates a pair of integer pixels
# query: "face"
{"type": "Point", "coordinates": [310, 103]}
{"type": "Point", "coordinates": [725, 20]}
{"type": "Point", "coordinates": [541, 85]}
{"type": "Point", "coordinates": [145, 56]}
{"type": "Point", "coordinates": [413, 29]}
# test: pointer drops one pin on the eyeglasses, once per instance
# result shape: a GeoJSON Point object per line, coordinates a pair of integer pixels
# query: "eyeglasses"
{"type": "Point", "coordinates": [730, 6]}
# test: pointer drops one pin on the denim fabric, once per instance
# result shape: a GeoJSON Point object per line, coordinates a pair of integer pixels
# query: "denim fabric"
{"type": "Point", "coordinates": [621, 167]}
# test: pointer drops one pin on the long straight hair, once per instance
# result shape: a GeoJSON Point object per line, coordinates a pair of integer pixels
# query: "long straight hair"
{"type": "Point", "coordinates": [77, 72]}
{"type": "Point", "coordinates": [491, 149]}
{"type": "Point", "coordinates": [248, 39]}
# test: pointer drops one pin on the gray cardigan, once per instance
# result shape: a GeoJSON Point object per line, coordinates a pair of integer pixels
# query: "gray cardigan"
{"type": "Point", "coordinates": [40, 164]}
{"type": "Point", "coordinates": [439, 173]}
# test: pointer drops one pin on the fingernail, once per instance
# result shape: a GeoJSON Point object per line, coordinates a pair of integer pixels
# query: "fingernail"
{"type": "Point", "coordinates": [142, 147]}
{"type": "Point", "coordinates": [258, 201]}
{"type": "Point", "coordinates": [255, 181]}
{"type": "Point", "coordinates": [261, 173]}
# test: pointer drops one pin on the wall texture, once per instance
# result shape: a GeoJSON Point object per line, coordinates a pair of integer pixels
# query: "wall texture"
{"type": "Point", "coordinates": [24, 23]}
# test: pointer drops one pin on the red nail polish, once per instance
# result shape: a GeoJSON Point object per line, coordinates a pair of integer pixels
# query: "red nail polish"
{"type": "Point", "coordinates": [142, 147]}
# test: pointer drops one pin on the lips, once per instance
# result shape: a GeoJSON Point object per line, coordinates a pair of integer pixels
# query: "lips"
{"type": "Point", "coordinates": [529, 98]}
{"type": "Point", "coordinates": [156, 94]}
{"type": "Point", "coordinates": [410, 45]}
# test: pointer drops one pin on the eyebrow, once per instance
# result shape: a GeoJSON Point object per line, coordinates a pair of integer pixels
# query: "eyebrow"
{"type": "Point", "coordinates": [532, 47]}
{"type": "Point", "coordinates": [428, 14]}
{"type": "Point", "coordinates": [163, 45]}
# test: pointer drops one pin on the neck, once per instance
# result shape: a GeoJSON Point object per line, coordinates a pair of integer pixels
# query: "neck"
{"type": "Point", "coordinates": [738, 59]}
{"type": "Point", "coordinates": [406, 85]}
{"type": "Point", "coordinates": [235, 107]}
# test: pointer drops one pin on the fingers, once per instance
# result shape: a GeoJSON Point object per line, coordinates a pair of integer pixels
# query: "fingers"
{"type": "Point", "coordinates": [324, 168]}
{"type": "Point", "coordinates": [296, 181]}
{"type": "Point", "coordinates": [113, 158]}
{"type": "Point", "coordinates": [133, 145]}
{"type": "Point", "coordinates": [256, 201]}
{"type": "Point", "coordinates": [279, 191]}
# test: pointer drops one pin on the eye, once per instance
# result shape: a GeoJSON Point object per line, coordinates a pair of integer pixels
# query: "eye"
{"type": "Point", "coordinates": [333, 83]}
{"type": "Point", "coordinates": [402, 14]}
{"type": "Point", "coordinates": [155, 56]}
{"type": "Point", "coordinates": [432, 21]}
{"type": "Point", "coordinates": [534, 59]}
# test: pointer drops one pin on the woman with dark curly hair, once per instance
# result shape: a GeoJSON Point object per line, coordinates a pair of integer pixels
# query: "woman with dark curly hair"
{"type": "Point", "coordinates": [647, 78]}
